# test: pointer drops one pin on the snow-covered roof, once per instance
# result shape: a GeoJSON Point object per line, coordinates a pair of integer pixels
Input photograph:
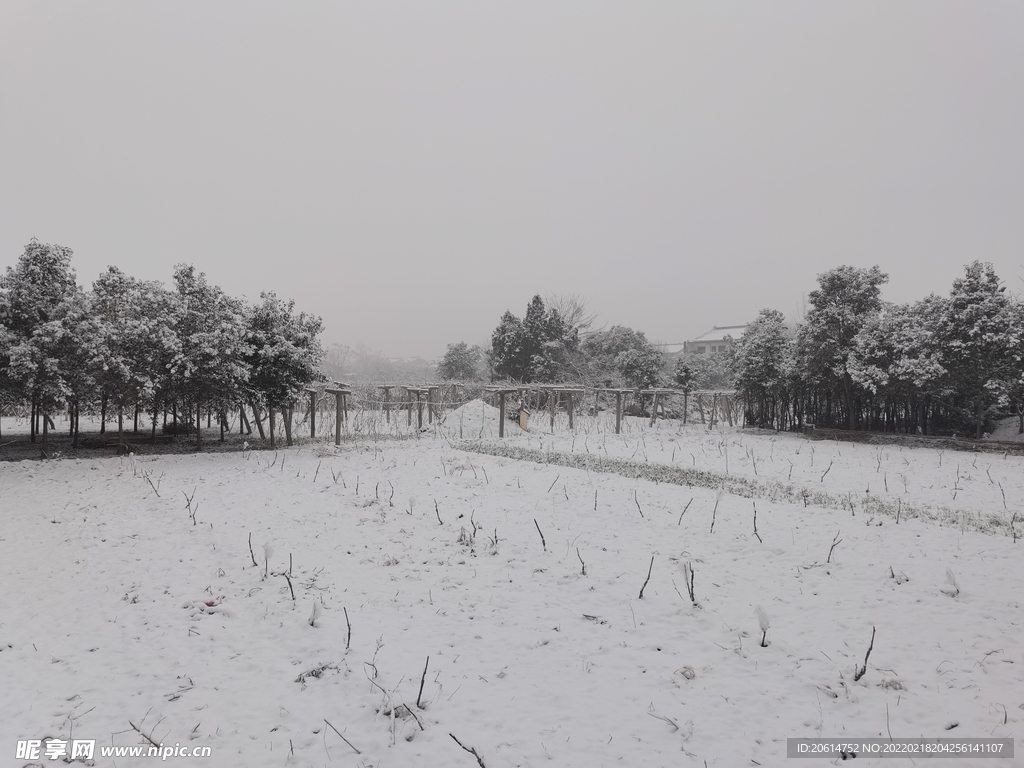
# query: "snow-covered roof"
{"type": "Point", "coordinates": [719, 332]}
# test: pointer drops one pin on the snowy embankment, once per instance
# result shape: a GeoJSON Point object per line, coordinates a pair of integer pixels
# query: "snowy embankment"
{"type": "Point", "coordinates": [131, 597]}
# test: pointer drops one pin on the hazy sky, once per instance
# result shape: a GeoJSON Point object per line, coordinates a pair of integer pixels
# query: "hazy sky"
{"type": "Point", "coordinates": [409, 171]}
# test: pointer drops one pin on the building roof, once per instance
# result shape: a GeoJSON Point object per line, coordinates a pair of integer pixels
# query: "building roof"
{"type": "Point", "coordinates": [719, 332]}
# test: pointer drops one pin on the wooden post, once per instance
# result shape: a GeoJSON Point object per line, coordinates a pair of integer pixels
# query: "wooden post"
{"type": "Point", "coordinates": [618, 412]}
{"type": "Point", "coordinates": [686, 403]}
{"type": "Point", "coordinates": [552, 394]}
{"type": "Point", "coordinates": [568, 406]}
{"type": "Point", "coordinates": [419, 411]}
{"type": "Point", "coordinates": [654, 408]}
{"type": "Point", "coordinates": [340, 414]}
{"type": "Point", "coordinates": [432, 403]}
{"type": "Point", "coordinates": [700, 407]}
{"type": "Point", "coordinates": [408, 397]}
{"type": "Point", "coordinates": [312, 414]}
{"type": "Point", "coordinates": [728, 408]}
{"type": "Point", "coordinates": [501, 414]}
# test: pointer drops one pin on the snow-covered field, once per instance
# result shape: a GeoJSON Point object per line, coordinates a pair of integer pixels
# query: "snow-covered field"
{"type": "Point", "coordinates": [120, 610]}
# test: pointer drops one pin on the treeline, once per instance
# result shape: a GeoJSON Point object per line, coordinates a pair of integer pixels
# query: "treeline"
{"type": "Point", "coordinates": [555, 342]}
{"type": "Point", "coordinates": [128, 347]}
{"type": "Point", "coordinates": [943, 364]}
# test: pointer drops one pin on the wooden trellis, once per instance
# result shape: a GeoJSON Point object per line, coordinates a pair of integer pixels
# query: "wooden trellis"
{"type": "Point", "coordinates": [501, 393]}
{"type": "Point", "coordinates": [555, 392]}
{"type": "Point", "coordinates": [618, 404]}
{"type": "Point", "coordinates": [341, 393]}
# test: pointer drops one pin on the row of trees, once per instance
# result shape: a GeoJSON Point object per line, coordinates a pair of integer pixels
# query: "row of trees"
{"type": "Point", "coordinates": [554, 342]}
{"type": "Point", "coordinates": [942, 364]}
{"type": "Point", "coordinates": [131, 345]}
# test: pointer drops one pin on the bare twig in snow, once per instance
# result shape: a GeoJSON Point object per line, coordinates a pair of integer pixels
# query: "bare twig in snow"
{"type": "Point", "coordinates": [343, 738]}
{"type": "Point", "coordinates": [835, 543]}
{"type": "Point", "coordinates": [473, 752]}
{"type": "Point", "coordinates": [424, 677]}
{"type": "Point", "coordinates": [684, 511]}
{"type": "Point", "coordinates": [863, 670]}
{"type": "Point", "coordinates": [649, 569]}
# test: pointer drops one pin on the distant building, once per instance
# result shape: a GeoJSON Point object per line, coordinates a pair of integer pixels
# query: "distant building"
{"type": "Point", "coordinates": [715, 341]}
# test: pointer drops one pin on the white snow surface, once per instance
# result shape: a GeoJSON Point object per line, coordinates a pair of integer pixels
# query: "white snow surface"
{"type": "Point", "coordinates": [117, 609]}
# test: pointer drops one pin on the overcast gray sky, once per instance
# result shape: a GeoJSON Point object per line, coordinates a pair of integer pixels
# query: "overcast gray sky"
{"type": "Point", "coordinates": [409, 171]}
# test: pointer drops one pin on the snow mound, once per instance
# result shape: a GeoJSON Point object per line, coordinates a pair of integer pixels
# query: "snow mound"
{"type": "Point", "coordinates": [477, 418]}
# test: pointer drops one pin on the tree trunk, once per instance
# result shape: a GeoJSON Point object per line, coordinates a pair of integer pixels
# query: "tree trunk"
{"type": "Point", "coordinates": [120, 426]}
{"type": "Point", "coordinates": [32, 422]}
{"type": "Point", "coordinates": [270, 419]}
{"type": "Point", "coordinates": [103, 415]}
{"type": "Point", "coordinates": [46, 423]}
{"type": "Point", "coordinates": [199, 427]}
{"type": "Point", "coordinates": [286, 413]}
{"type": "Point", "coordinates": [135, 429]}
{"type": "Point", "coordinates": [848, 392]}
{"type": "Point", "coordinates": [258, 420]}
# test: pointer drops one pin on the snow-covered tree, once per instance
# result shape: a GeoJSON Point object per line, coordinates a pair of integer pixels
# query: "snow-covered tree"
{"type": "Point", "coordinates": [508, 360]}
{"type": "Point", "coordinates": [137, 340]}
{"type": "Point", "coordinates": [608, 356]}
{"type": "Point", "coordinates": [763, 361]}
{"type": "Point", "coordinates": [461, 362]}
{"type": "Point", "coordinates": [34, 294]}
{"type": "Point", "coordinates": [534, 349]}
{"type": "Point", "coordinates": [284, 352]}
{"type": "Point", "coordinates": [210, 369]}
{"type": "Point", "coordinates": [847, 297]}
{"type": "Point", "coordinates": [980, 339]}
